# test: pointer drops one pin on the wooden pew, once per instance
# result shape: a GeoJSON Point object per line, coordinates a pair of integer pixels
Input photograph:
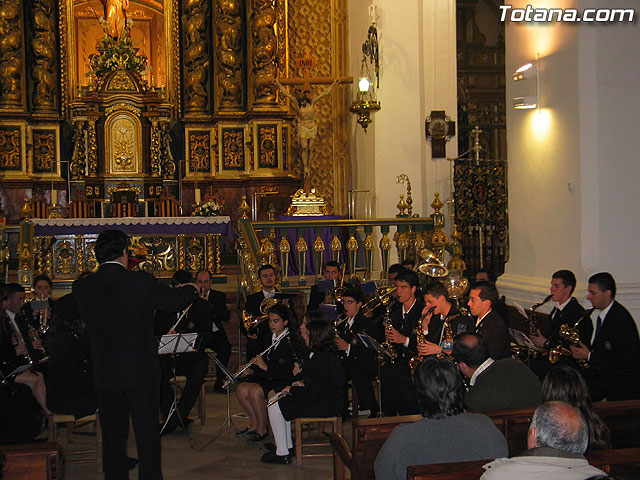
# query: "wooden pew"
{"type": "Point", "coordinates": [31, 461]}
{"type": "Point", "coordinates": [622, 418]}
{"type": "Point", "coordinates": [610, 461]}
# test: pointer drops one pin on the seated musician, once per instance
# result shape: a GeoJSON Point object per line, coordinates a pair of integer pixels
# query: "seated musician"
{"type": "Point", "coordinates": [566, 311]}
{"type": "Point", "coordinates": [446, 433]}
{"type": "Point", "coordinates": [193, 365]}
{"type": "Point", "coordinates": [331, 272]}
{"type": "Point", "coordinates": [438, 310]}
{"type": "Point", "coordinates": [319, 394]}
{"type": "Point", "coordinates": [398, 394]}
{"type": "Point", "coordinates": [70, 386]}
{"type": "Point", "coordinates": [218, 341]}
{"type": "Point", "coordinates": [501, 305]}
{"type": "Point", "coordinates": [267, 278]}
{"type": "Point", "coordinates": [19, 419]}
{"type": "Point", "coordinates": [39, 309]}
{"type": "Point", "coordinates": [359, 362]}
{"type": "Point", "coordinates": [27, 346]}
{"type": "Point", "coordinates": [271, 371]}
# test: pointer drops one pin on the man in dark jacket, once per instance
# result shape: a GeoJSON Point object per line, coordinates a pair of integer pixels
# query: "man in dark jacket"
{"type": "Point", "coordinates": [482, 297]}
{"type": "Point", "coordinates": [117, 307]}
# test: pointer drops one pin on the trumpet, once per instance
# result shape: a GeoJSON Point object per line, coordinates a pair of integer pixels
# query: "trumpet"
{"type": "Point", "coordinates": [571, 336]}
{"type": "Point", "coordinates": [251, 322]}
{"type": "Point", "coordinates": [247, 365]}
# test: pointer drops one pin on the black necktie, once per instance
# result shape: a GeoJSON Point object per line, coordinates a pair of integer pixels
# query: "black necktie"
{"type": "Point", "coordinates": [598, 325]}
{"type": "Point", "coordinates": [554, 312]}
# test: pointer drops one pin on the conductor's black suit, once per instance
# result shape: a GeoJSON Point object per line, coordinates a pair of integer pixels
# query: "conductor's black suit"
{"type": "Point", "coordinates": [117, 307]}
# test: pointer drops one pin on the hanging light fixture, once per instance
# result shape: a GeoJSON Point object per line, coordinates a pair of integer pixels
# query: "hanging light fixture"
{"type": "Point", "coordinates": [366, 102]}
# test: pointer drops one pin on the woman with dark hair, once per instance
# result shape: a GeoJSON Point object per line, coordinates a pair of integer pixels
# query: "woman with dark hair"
{"type": "Point", "coordinates": [70, 385]}
{"type": "Point", "coordinates": [319, 394]}
{"type": "Point", "coordinates": [446, 433]}
{"type": "Point", "coordinates": [271, 371]}
{"type": "Point", "coordinates": [565, 384]}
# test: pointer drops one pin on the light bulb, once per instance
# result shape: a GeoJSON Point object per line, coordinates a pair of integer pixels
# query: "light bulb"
{"type": "Point", "coordinates": [364, 84]}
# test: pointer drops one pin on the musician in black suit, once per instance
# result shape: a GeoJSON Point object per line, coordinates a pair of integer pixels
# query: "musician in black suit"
{"type": "Point", "coordinates": [319, 394]}
{"type": "Point", "coordinates": [489, 325]}
{"type": "Point", "coordinates": [359, 362]}
{"type": "Point", "coordinates": [117, 306]}
{"type": "Point", "coordinates": [438, 309]}
{"type": "Point", "coordinates": [42, 287]}
{"type": "Point", "coordinates": [271, 371]}
{"type": "Point", "coordinates": [566, 311]}
{"type": "Point", "coordinates": [614, 351]}
{"type": "Point", "coordinates": [27, 346]}
{"type": "Point", "coordinates": [501, 305]}
{"type": "Point", "coordinates": [331, 271]}
{"type": "Point", "coordinates": [267, 278]}
{"type": "Point", "coordinates": [398, 394]}
{"type": "Point", "coordinates": [198, 318]}
{"type": "Point", "coordinates": [217, 340]}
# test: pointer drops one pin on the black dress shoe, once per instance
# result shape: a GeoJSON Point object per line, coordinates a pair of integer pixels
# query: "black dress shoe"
{"type": "Point", "coordinates": [245, 432]}
{"type": "Point", "coordinates": [131, 463]}
{"type": "Point", "coordinates": [256, 438]}
{"type": "Point", "coordinates": [271, 457]}
{"type": "Point", "coordinates": [271, 447]}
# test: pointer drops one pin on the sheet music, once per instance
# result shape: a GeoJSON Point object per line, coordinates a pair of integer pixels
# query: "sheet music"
{"type": "Point", "coordinates": [177, 343]}
{"type": "Point", "coordinates": [521, 310]}
{"type": "Point", "coordinates": [521, 339]}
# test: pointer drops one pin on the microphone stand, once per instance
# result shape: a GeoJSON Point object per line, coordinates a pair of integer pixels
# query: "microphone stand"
{"type": "Point", "coordinates": [228, 422]}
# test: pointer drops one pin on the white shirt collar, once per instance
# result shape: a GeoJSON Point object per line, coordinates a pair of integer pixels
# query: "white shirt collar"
{"type": "Point", "coordinates": [274, 335]}
{"type": "Point", "coordinates": [603, 313]}
{"type": "Point", "coordinates": [560, 306]}
{"type": "Point", "coordinates": [479, 320]}
{"type": "Point", "coordinates": [11, 315]}
{"type": "Point", "coordinates": [270, 294]}
{"type": "Point", "coordinates": [486, 364]}
{"type": "Point", "coordinates": [113, 261]}
{"type": "Point", "coordinates": [404, 312]}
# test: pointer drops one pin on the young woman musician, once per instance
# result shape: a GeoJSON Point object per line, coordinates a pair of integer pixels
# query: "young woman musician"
{"type": "Point", "coordinates": [318, 395]}
{"type": "Point", "coordinates": [271, 371]}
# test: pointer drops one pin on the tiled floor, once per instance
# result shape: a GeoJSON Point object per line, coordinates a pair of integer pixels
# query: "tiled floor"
{"type": "Point", "coordinates": [228, 457]}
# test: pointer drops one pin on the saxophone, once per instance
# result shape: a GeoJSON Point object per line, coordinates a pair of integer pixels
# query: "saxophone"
{"type": "Point", "coordinates": [415, 362]}
{"type": "Point", "coordinates": [387, 345]}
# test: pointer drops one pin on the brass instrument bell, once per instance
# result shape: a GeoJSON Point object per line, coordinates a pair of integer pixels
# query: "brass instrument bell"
{"type": "Point", "coordinates": [431, 266]}
{"type": "Point", "coordinates": [250, 322]}
{"type": "Point", "coordinates": [382, 296]}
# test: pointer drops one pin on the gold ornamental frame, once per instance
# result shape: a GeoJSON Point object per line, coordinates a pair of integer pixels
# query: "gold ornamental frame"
{"type": "Point", "coordinates": [69, 38]}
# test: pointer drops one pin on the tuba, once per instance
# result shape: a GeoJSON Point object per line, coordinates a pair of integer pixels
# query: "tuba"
{"type": "Point", "coordinates": [251, 322]}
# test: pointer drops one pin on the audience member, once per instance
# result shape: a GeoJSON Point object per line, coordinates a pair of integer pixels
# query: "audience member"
{"type": "Point", "coordinates": [557, 439]}
{"type": "Point", "coordinates": [446, 433]}
{"type": "Point", "coordinates": [494, 384]}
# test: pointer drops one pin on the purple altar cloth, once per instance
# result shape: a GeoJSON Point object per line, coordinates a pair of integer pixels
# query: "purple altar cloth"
{"type": "Point", "coordinates": [134, 225]}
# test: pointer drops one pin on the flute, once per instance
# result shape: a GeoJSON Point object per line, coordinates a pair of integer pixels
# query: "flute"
{"type": "Point", "coordinates": [277, 397]}
{"type": "Point", "coordinates": [242, 369]}
{"type": "Point", "coordinates": [180, 318]}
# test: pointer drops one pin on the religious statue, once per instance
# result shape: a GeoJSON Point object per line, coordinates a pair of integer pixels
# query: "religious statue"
{"type": "Point", "coordinates": [115, 12]}
{"type": "Point", "coordinates": [306, 122]}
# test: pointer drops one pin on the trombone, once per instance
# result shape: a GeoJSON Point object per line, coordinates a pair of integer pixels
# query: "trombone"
{"type": "Point", "coordinates": [338, 292]}
{"type": "Point", "coordinates": [382, 296]}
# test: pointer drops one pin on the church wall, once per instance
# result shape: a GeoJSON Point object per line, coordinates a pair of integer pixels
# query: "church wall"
{"type": "Point", "coordinates": [571, 165]}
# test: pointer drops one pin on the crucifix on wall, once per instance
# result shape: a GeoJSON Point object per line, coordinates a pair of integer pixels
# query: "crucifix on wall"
{"type": "Point", "coordinates": [439, 129]}
{"type": "Point", "coordinates": [304, 106]}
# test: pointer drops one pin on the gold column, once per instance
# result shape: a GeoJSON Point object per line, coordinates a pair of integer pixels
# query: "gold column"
{"type": "Point", "coordinates": [267, 251]}
{"type": "Point", "coordinates": [336, 248]}
{"type": "Point", "coordinates": [79, 254]}
{"type": "Point", "coordinates": [44, 63]}
{"type": "Point", "coordinates": [230, 93]}
{"type": "Point", "coordinates": [369, 246]}
{"type": "Point", "coordinates": [352, 249]}
{"type": "Point", "coordinates": [385, 249]}
{"type": "Point", "coordinates": [181, 252]}
{"type": "Point", "coordinates": [154, 160]}
{"type": "Point", "coordinates": [92, 148]}
{"type": "Point", "coordinates": [196, 57]}
{"type": "Point", "coordinates": [302, 248]}
{"type": "Point", "coordinates": [439, 238]}
{"type": "Point", "coordinates": [402, 243]}
{"type": "Point", "coordinates": [285, 249]}
{"type": "Point", "coordinates": [12, 63]}
{"type": "Point", "coordinates": [318, 248]}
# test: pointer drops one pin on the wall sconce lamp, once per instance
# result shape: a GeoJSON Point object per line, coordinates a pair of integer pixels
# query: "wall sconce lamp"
{"type": "Point", "coordinates": [525, 72]}
{"type": "Point", "coordinates": [366, 102]}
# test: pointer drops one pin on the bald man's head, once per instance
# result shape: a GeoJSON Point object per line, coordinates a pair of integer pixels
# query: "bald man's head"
{"type": "Point", "coordinates": [471, 349]}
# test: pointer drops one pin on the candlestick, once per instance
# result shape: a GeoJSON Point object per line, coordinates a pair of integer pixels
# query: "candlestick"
{"type": "Point", "coordinates": [197, 196]}
{"type": "Point", "coordinates": [54, 197]}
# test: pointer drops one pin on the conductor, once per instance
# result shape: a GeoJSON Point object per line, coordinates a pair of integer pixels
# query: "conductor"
{"type": "Point", "coordinates": [117, 307]}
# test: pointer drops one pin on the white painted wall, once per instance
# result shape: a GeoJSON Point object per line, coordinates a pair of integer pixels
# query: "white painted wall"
{"type": "Point", "coordinates": [573, 166]}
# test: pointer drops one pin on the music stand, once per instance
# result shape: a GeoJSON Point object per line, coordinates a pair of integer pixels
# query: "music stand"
{"type": "Point", "coordinates": [372, 344]}
{"type": "Point", "coordinates": [172, 344]}
{"type": "Point", "coordinates": [228, 423]}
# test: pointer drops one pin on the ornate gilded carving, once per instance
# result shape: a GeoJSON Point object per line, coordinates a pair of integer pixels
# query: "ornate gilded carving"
{"type": "Point", "coordinates": [11, 54]}
{"type": "Point", "coordinates": [194, 252]}
{"type": "Point", "coordinates": [92, 148]}
{"type": "Point", "coordinates": [79, 255]}
{"type": "Point", "coordinates": [229, 52]}
{"type": "Point", "coordinates": [336, 248]}
{"type": "Point", "coordinates": [122, 82]}
{"type": "Point", "coordinates": [64, 257]}
{"type": "Point", "coordinates": [181, 252]}
{"type": "Point", "coordinates": [233, 149]}
{"type": "Point", "coordinates": [264, 47]}
{"type": "Point", "coordinates": [92, 262]}
{"type": "Point", "coordinates": [123, 144]}
{"type": "Point", "coordinates": [160, 255]}
{"type": "Point", "coordinates": [43, 44]}
{"type": "Point", "coordinates": [267, 146]}
{"type": "Point", "coordinates": [78, 160]}
{"type": "Point", "coordinates": [44, 151]}
{"type": "Point", "coordinates": [199, 152]}
{"type": "Point", "coordinates": [154, 163]}
{"type": "Point", "coordinates": [196, 56]}
{"type": "Point", "coordinates": [167, 164]}
{"type": "Point", "coordinates": [10, 147]}
{"type": "Point", "coordinates": [122, 106]}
